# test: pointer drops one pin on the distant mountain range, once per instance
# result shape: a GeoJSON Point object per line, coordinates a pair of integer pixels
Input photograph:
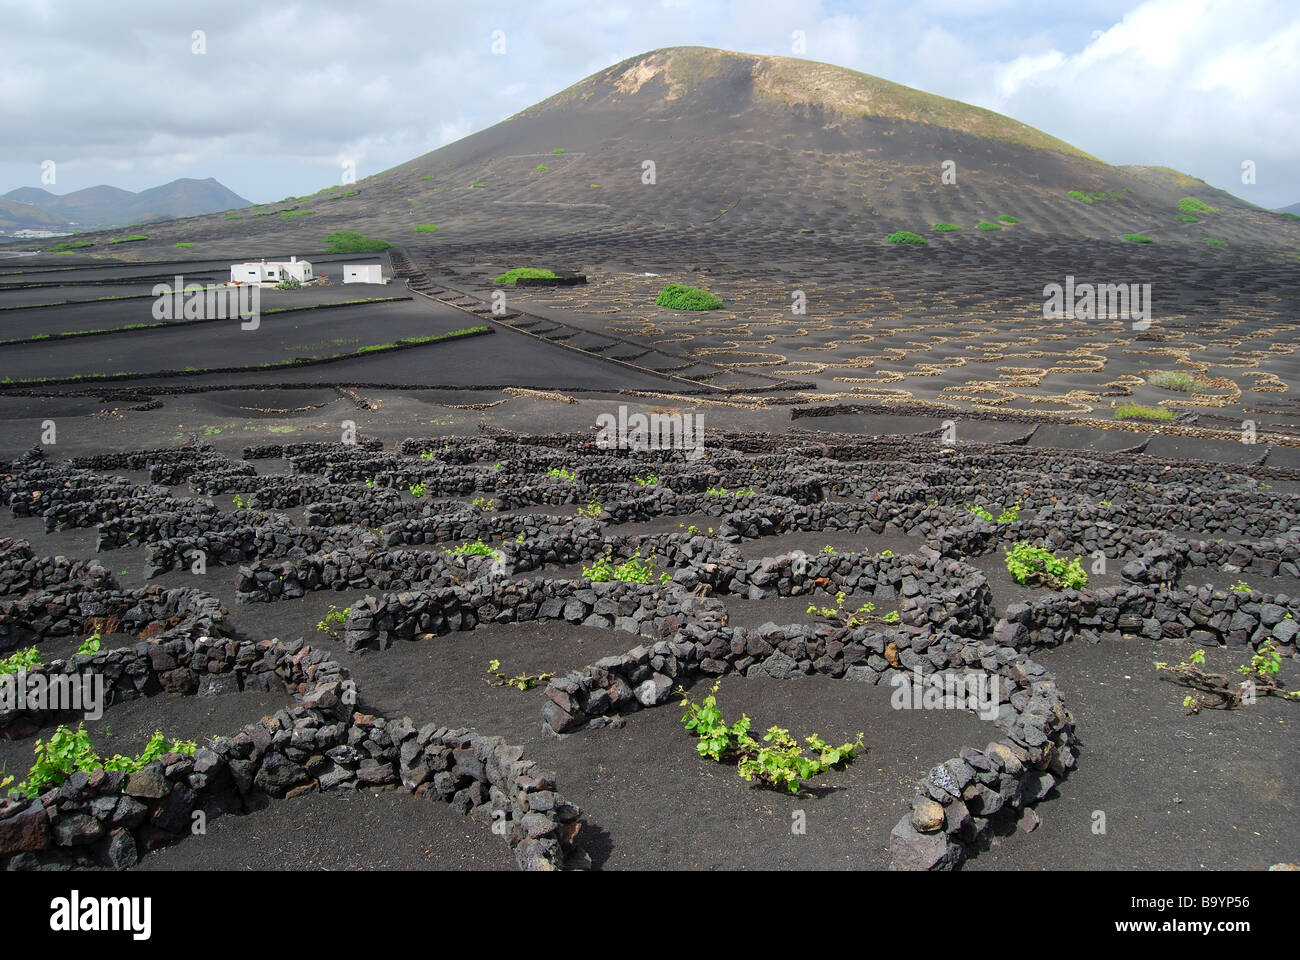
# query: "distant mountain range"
{"type": "Point", "coordinates": [1294, 208]}
{"type": "Point", "coordinates": [100, 207]}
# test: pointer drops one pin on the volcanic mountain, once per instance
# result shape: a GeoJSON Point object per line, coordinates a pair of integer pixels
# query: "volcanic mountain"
{"type": "Point", "coordinates": [695, 146]}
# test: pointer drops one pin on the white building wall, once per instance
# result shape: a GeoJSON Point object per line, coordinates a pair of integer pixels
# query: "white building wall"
{"type": "Point", "coordinates": [363, 273]}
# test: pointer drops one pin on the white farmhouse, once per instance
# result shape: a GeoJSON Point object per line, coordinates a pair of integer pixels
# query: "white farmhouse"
{"type": "Point", "coordinates": [262, 271]}
{"type": "Point", "coordinates": [363, 273]}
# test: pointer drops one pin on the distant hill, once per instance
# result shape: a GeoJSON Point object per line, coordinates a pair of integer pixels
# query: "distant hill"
{"type": "Point", "coordinates": [104, 206]}
{"type": "Point", "coordinates": [1294, 208]}
{"type": "Point", "coordinates": [691, 145]}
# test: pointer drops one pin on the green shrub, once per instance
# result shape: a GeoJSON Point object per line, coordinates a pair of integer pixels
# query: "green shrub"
{"type": "Point", "coordinates": [1135, 411]}
{"type": "Point", "coordinates": [289, 283]}
{"type": "Point", "coordinates": [27, 659]}
{"type": "Point", "coordinates": [1186, 218]}
{"type": "Point", "coordinates": [68, 245]}
{"type": "Point", "coordinates": [1007, 218]}
{"type": "Point", "coordinates": [521, 681]}
{"type": "Point", "coordinates": [986, 225]}
{"type": "Point", "coordinates": [542, 168]}
{"type": "Point", "coordinates": [288, 214]}
{"type": "Point", "coordinates": [70, 751]}
{"type": "Point", "coordinates": [183, 244]}
{"type": "Point", "coordinates": [1080, 196]}
{"type": "Point", "coordinates": [1192, 205]}
{"type": "Point", "coordinates": [631, 570]}
{"type": "Point", "coordinates": [425, 228]}
{"type": "Point", "coordinates": [1174, 380]}
{"type": "Point", "coordinates": [131, 239]}
{"type": "Point", "coordinates": [1215, 241]}
{"type": "Point", "coordinates": [842, 615]}
{"type": "Point", "coordinates": [781, 763]}
{"type": "Point", "coordinates": [679, 296]}
{"type": "Point", "coordinates": [945, 227]}
{"type": "Point", "coordinates": [558, 150]}
{"type": "Point", "coordinates": [1028, 563]}
{"type": "Point", "coordinates": [1137, 237]}
{"type": "Point", "coordinates": [347, 241]}
{"type": "Point", "coordinates": [530, 273]}
{"type": "Point", "coordinates": [1008, 515]}
{"type": "Point", "coordinates": [474, 548]}
{"type": "Point", "coordinates": [906, 236]}
{"type": "Point", "coordinates": [333, 617]}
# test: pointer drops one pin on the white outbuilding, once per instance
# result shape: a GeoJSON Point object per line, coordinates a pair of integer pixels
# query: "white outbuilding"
{"type": "Point", "coordinates": [363, 273]}
{"type": "Point", "coordinates": [262, 271]}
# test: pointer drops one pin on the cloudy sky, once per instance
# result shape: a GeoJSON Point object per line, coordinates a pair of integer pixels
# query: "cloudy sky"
{"type": "Point", "coordinates": [115, 92]}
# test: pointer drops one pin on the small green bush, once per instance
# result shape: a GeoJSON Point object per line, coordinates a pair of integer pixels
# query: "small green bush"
{"type": "Point", "coordinates": [348, 241]}
{"type": "Point", "coordinates": [986, 225]}
{"type": "Point", "coordinates": [425, 228]}
{"type": "Point", "coordinates": [1080, 196]}
{"type": "Point", "coordinates": [1007, 218]}
{"type": "Point", "coordinates": [1216, 241]}
{"type": "Point", "coordinates": [1174, 380]}
{"type": "Point", "coordinates": [131, 239]}
{"type": "Point", "coordinates": [1192, 205]}
{"type": "Point", "coordinates": [27, 659]}
{"type": "Point", "coordinates": [631, 570]}
{"type": "Point", "coordinates": [779, 763]}
{"type": "Point", "coordinates": [1028, 563]}
{"type": "Point", "coordinates": [531, 273]}
{"type": "Point", "coordinates": [945, 227]}
{"type": "Point", "coordinates": [70, 751]}
{"type": "Point", "coordinates": [1137, 237]}
{"type": "Point", "coordinates": [906, 236]}
{"type": "Point", "coordinates": [183, 244]}
{"type": "Point", "coordinates": [678, 296]}
{"type": "Point", "coordinates": [1135, 411]}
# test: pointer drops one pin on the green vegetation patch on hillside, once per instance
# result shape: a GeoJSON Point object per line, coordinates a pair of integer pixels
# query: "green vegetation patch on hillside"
{"type": "Point", "coordinates": [425, 228]}
{"type": "Point", "coordinates": [131, 239]}
{"type": "Point", "coordinates": [348, 241]}
{"type": "Point", "coordinates": [1007, 218]}
{"type": "Point", "coordinates": [1192, 205]}
{"type": "Point", "coordinates": [906, 236]}
{"type": "Point", "coordinates": [945, 227]}
{"type": "Point", "coordinates": [67, 246]}
{"type": "Point", "coordinates": [987, 225]}
{"type": "Point", "coordinates": [1216, 241]}
{"type": "Point", "coordinates": [530, 273]}
{"type": "Point", "coordinates": [1136, 411]}
{"type": "Point", "coordinates": [1137, 237]}
{"type": "Point", "coordinates": [678, 296]}
{"type": "Point", "coordinates": [294, 213]}
{"type": "Point", "coordinates": [1080, 196]}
